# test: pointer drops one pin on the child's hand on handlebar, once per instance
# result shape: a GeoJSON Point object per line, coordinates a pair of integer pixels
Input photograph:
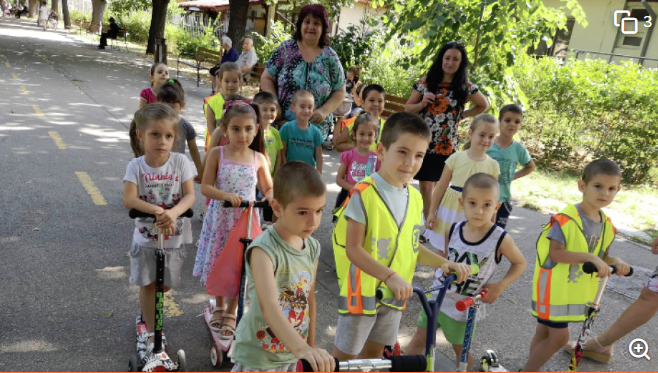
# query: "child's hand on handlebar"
{"type": "Point", "coordinates": [268, 197]}
{"type": "Point", "coordinates": [602, 268]}
{"type": "Point", "coordinates": [462, 270]}
{"type": "Point", "coordinates": [234, 199]}
{"type": "Point", "coordinates": [622, 268]}
{"type": "Point", "coordinates": [493, 290]}
{"type": "Point", "coordinates": [319, 359]}
{"type": "Point", "coordinates": [165, 219]}
{"type": "Point", "coordinates": [400, 287]}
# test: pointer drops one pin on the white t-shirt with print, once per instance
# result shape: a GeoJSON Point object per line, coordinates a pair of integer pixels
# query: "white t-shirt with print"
{"type": "Point", "coordinates": [161, 186]}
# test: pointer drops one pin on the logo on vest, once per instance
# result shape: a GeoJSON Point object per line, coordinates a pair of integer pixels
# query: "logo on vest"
{"type": "Point", "coordinates": [415, 238]}
{"type": "Point", "coordinates": [574, 273]}
{"type": "Point", "coordinates": [383, 247]}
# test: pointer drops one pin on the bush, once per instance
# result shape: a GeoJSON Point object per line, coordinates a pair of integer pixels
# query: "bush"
{"type": "Point", "coordinates": [77, 15]}
{"type": "Point", "coordinates": [264, 47]}
{"type": "Point", "coordinates": [185, 42]}
{"type": "Point", "coordinates": [136, 24]}
{"type": "Point", "coordinates": [591, 109]}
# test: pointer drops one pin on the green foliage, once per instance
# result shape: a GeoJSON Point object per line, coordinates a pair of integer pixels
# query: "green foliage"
{"type": "Point", "coordinates": [137, 25]}
{"type": "Point", "coordinates": [77, 15]}
{"type": "Point", "coordinates": [184, 42]}
{"type": "Point", "coordinates": [120, 8]}
{"type": "Point", "coordinates": [264, 47]}
{"type": "Point", "coordinates": [591, 109]}
{"type": "Point", "coordinates": [354, 46]}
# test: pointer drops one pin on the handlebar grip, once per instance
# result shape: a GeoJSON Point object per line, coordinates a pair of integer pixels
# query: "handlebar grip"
{"type": "Point", "coordinates": [134, 214]}
{"type": "Point", "coordinates": [379, 294]}
{"type": "Point", "coordinates": [412, 363]}
{"type": "Point", "coordinates": [589, 268]}
{"type": "Point", "coordinates": [257, 204]}
{"type": "Point", "coordinates": [463, 305]}
{"type": "Point", "coordinates": [306, 366]}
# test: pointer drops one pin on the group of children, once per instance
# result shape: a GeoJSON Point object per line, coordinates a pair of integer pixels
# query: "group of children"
{"type": "Point", "coordinates": [378, 222]}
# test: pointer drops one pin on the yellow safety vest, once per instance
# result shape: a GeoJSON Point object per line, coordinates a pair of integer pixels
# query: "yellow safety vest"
{"type": "Point", "coordinates": [349, 123]}
{"type": "Point", "coordinates": [391, 245]}
{"type": "Point", "coordinates": [560, 291]}
{"type": "Point", "coordinates": [216, 103]}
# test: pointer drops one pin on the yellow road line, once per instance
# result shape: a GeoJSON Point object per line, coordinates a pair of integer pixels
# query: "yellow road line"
{"type": "Point", "coordinates": [57, 139]}
{"type": "Point", "coordinates": [89, 186]}
{"type": "Point", "coordinates": [171, 309]}
{"type": "Point", "coordinates": [37, 110]}
{"type": "Point", "coordinates": [13, 75]}
{"type": "Point", "coordinates": [7, 64]}
{"type": "Point", "coordinates": [25, 91]}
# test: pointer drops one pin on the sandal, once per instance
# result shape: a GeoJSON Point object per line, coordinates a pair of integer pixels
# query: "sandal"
{"type": "Point", "coordinates": [330, 146]}
{"type": "Point", "coordinates": [603, 354]}
{"type": "Point", "coordinates": [216, 324]}
{"type": "Point", "coordinates": [227, 331]}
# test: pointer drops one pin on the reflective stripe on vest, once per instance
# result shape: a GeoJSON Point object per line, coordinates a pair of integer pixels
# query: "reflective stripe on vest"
{"type": "Point", "coordinates": [216, 103]}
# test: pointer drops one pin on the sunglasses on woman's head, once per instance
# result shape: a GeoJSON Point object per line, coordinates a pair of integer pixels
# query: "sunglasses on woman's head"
{"type": "Point", "coordinates": [455, 43]}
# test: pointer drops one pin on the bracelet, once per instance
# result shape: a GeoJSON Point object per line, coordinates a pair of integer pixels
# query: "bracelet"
{"type": "Point", "coordinates": [389, 276]}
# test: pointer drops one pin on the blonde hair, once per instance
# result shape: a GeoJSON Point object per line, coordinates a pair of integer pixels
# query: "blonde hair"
{"type": "Point", "coordinates": [144, 117]}
{"type": "Point", "coordinates": [476, 122]}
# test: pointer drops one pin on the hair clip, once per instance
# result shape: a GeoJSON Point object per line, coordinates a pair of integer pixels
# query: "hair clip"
{"type": "Point", "coordinates": [171, 81]}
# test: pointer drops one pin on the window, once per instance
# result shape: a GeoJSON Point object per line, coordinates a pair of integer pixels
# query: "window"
{"type": "Point", "coordinates": [633, 41]}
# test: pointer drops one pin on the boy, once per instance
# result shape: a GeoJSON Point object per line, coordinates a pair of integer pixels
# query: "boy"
{"type": "Point", "coordinates": [301, 140]}
{"type": "Point", "coordinates": [578, 234]}
{"type": "Point", "coordinates": [172, 93]}
{"type": "Point", "coordinates": [268, 109]}
{"type": "Point", "coordinates": [374, 97]}
{"type": "Point", "coordinates": [376, 243]}
{"type": "Point", "coordinates": [509, 153]}
{"type": "Point", "coordinates": [279, 327]}
{"type": "Point", "coordinates": [480, 201]}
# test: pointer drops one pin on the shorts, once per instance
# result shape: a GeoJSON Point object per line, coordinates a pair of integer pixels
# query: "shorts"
{"type": "Point", "coordinates": [237, 367]}
{"type": "Point", "coordinates": [503, 214]}
{"type": "Point", "coordinates": [453, 330]}
{"type": "Point", "coordinates": [142, 265]}
{"type": "Point", "coordinates": [432, 167]}
{"type": "Point", "coordinates": [213, 70]}
{"type": "Point", "coordinates": [352, 331]}
{"type": "Point", "coordinates": [553, 324]}
{"type": "Point", "coordinates": [652, 282]}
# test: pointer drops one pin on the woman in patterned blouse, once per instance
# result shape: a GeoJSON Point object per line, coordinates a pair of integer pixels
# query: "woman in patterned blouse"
{"type": "Point", "coordinates": [307, 62]}
{"type": "Point", "coordinates": [439, 98]}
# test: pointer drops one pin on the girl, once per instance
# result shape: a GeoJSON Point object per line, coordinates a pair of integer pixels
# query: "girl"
{"type": "Point", "coordinates": [159, 75]}
{"type": "Point", "coordinates": [354, 87]}
{"type": "Point", "coordinates": [353, 163]}
{"type": "Point", "coordinates": [232, 174]}
{"type": "Point", "coordinates": [160, 183]}
{"type": "Point", "coordinates": [459, 167]}
{"type": "Point", "coordinates": [230, 83]}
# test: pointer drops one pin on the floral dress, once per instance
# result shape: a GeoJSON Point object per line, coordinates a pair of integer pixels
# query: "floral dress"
{"type": "Point", "coordinates": [321, 77]}
{"type": "Point", "coordinates": [443, 117]}
{"type": "Point", "coordinates": [232, 177]}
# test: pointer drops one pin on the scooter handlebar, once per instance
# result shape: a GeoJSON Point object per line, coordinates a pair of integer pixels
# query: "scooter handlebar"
{"type": "Point", "coordinates": [257, 204]}
{"type": "Point", "coordinates": [134, 214]}
{"type": "Point", "coordinates": [463, 305]}
{"type": "Point", "coordinates": [412, 363]}
{"type": "Point", "coordinates": [589, 268]}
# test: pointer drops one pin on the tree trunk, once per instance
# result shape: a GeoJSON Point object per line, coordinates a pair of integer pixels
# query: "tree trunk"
{"type": "Point", "coordinates": [98, 8]}
{"type": "Point", "coordinates": [158, 19]}
{"type": "Point", "coordinates": [33, 6]}
{"type": "Point", "coordinates": [65, 11]}
{"type": "Point", "coordinates": [237, 22]}
{"type": "Point", "coordinates": [54, 6]}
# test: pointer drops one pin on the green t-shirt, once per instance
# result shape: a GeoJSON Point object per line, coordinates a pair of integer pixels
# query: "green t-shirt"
{"type": "Point", "coordinates": [272, 144]}
{"type": "Point", "coordinates": [508, 159]}
{"type": "Point", "coordinates": [256, 345]}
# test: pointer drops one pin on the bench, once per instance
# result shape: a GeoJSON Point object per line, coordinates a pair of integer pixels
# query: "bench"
{"type": "Point", "coordinates": [122, 35]}
{"type": "Point", "coordinates": [202, 55]}
{"type": "Point", "coordinates": [393, 105]}
{"type": "Point", "coordinates": [256, 73]}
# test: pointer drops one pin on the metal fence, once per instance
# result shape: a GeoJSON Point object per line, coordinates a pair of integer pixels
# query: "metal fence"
{"type": "Point", "coordinates": [80, 5]}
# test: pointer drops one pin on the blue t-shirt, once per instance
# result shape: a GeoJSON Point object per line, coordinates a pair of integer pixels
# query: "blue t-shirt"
{"type": "Point", "coordinates": [230, 56]}
{"type": "Point", "coordinates": [301, 144]}
{"type": "Point", "coordinates": [508, 159]}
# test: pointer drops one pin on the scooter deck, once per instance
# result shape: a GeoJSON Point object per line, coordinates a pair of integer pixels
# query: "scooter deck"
{"type": "Point", "coordinates": [223, 344]}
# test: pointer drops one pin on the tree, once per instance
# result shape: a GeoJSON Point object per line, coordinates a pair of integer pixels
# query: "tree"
{"type": "Point", "coordinates": [54, 5]}
{"type": "Point", "coordinates": [493, 32]}
{"type": "Point", "coordinates": [98, 8]}
{"type": "Point", "coordinates": [158, 19]}
{"type": "Point", "coordinates": [238, 12]}
{"type": "Point", "coordinates": [65, 11]}
{"type": "Point", "coordinates": [33, 5]}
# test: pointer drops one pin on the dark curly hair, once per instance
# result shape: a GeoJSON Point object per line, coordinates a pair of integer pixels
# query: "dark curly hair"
{"type": "Point", "coordinates": [459, 81]}
{"type": "Point", "coordinates": [316, 11]}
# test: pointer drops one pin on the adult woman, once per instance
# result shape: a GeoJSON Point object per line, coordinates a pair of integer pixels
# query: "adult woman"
{"type": "Point", "coordinates": [230, 55]}
{"type": "Point", "coordinates": [439, 98]}
{"type": "Point", "coordinates": [307, 62]}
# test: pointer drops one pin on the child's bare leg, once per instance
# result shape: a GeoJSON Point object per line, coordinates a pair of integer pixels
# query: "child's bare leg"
{"type": "Point", "coordinates": [341, 356]}
{"type": "Point", "coordinates": [636, 315]}
{"type": "Point", "coordinates": [417, 344]}
{"type": "Point", "coordinates": [372, 350]}
{"type": "Point", "coordinates": [147, 305]}
{"type": "Point", "coordinates": [458, 353]}
{"type": "Point", "coordinates": [546, 347]}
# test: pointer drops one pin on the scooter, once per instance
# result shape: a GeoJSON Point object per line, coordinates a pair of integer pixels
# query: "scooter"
{"type": "Point", "coordinates": [222, 349]}
{"type": "Point", "coordinates": [489, 362]}
{"type": "Point", "coordinates": [412, 363]}
{"type": "Point", "coordinates": [158, 360]}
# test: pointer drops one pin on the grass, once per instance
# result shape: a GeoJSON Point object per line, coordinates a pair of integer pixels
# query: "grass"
{"type": "Point", "coordinates": [550, 191]}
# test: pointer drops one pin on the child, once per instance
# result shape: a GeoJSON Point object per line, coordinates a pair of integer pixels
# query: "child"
{"type": "Point", "coordinates": [281, 263]}
{"type": "Point", "coordinates": [230, 84]}
{"type": "Point", "coordinates": [353, 163]}
{"type": "Point", "coordinates": [583, 233]}
{"type": "Point", "coordinates": [508, 153]}
{"type": "Point", "coordinates": [368, 257]}
{"type": "Point", "coordinates": [374, 99]}
{"type": "Point", "coordinates": [459, 167]}
{"type": "Point", "coordinates": [158, 183]}
{"type": "Point", "coordinates": [354, 88]}
{"type": "Point", "coordinates": [301, 140]}
{"type": "Point", "coordinates": [159, 75]}
{"type": "Point", "coordinates": [474, 241]}
{"type": "Point", "coordinates": [232, 173]}
{"type": "Point", "coordinates": [44, 13]}
{"type": "Point", "coordinates": [268, 107]}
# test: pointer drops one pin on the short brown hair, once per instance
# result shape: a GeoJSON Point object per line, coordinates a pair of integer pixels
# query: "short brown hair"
{"type": "Point", "coordinates": [601, 167]}
{"type": "Point", "coordinates": [401, 123]}
{"type": "Point", "coordinates": [171, 92]}
{"type": "Point", "coordinates": [297, 179]}
{"type": "Point", "coordinates": [480, 180]}
{"type": "Point", "coordinates": [301, 93]}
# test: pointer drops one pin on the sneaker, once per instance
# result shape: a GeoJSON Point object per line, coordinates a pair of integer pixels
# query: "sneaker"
{"type": "Point", "coordinates": [603, 354]}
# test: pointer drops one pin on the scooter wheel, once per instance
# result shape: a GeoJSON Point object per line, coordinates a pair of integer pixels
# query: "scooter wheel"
{"type": "Point", "coordinates": [216, 356]}
{"type": "Point", "coordinates": [182, 363]}
{"type": "Point", "coordinates": [133, 364]}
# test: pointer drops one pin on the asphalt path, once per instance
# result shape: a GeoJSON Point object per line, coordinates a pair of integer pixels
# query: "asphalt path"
{"type": "Point", "coordinates": [65, 302]}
